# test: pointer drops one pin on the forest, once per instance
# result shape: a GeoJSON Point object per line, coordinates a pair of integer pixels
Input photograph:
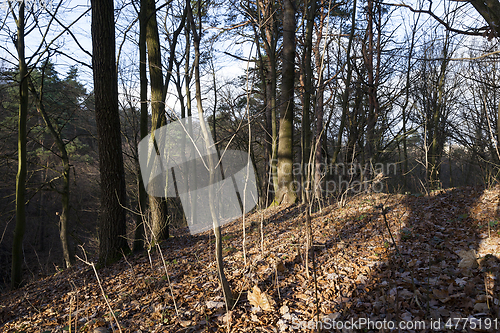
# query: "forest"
{"type": "Point", "coordinates": [249, 166]}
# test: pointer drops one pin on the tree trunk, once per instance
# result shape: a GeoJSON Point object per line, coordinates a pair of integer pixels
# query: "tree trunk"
{"type": "Point", "coordinates": [64, 219]}
{"type": "Point", "coordinates": [265, 193]}
{"type": "Point", "coordinates": [269, 31]}
{"type": "Point", "coordinates": [55, 132]}
{"type": "Point", "coordinates": [345, 97]}
{"type": "Point", "coordinates": [498, 126]}
{"type": "Point", "coordinates": [142, 200]}
{"type": "Point", "coordinates": [286, 190]}
{"type": "Point", "coordinates": [404, 110]}
{"type": "Point", "coordinates": [318, 109]}
{"type": "Point", "coordinates": [158, 205]}
{"type": "Point", "coordinates": [310, 9]}
{"type": "Point", "coordinates": [17, 254]}
{"type": "Point", "coordinates": [372, 68]}
{"type": "Point", "coordinates": [112, 223]}
{"type": "Point", "coordinates": [437, 135]}
{"type": "Point", "coordinates": [228, 295]}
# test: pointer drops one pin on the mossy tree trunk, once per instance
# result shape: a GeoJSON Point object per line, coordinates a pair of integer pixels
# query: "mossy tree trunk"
{"type": "Point", "coordinates": [158, 205]}
{"type": "Point", "coordinates": [17, 254]}
{"type": "Point", "coordinates": [286, 188]}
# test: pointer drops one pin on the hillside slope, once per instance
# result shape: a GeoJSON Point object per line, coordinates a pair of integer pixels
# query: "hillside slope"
{"type": "Point", "coordinates": [445, 266]}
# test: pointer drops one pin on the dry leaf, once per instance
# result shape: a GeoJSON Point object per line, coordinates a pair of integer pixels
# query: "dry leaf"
{"type": "Point", "coordinates": [260, 299]}
{"type": "Point", "coordinates": [331, 317]}
{"type": "Point", "coordinates": [469, 259]}
{"type": "Point", "coordinates": [100, 330]}
{"type": "Point", "coordinates": [461, 282]}
{"type": "Point", "coordinates": [406, 316]}
{"type": "Point", "coordinates": [227, 317]}
{"type": "Point", "coordinates": [213, 304]}
{"type": "Point", "coordinates": [442, 295]}
{"type": "Point", "coordinates": [481, 307]}
{"type": "Point", "coordinates": [284, 309]}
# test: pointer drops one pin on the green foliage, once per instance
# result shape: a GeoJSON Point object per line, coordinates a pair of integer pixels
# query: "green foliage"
{"type": "Point", "coordinates": [63, 99]}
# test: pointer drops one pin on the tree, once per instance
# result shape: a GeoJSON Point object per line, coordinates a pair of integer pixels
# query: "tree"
{"type": "Point", "coordinates": [228, 295]}
{"type": "Point", "coordinates": [269, 32]}
{"type": "Point", "coordinates": [286, 188]}
{"type": "Point", "coordinates": [57, 135]}
{"type": "Point", "coordinates": [17, 255]}
{"type": "Point", "coordinates": [158, 205]}
{"type": "Point", "coordinates": [143, 124]}
{"type": "Point", "coordinates": [345, 95]}
{"type": "Point", "coordinates": [434, 93]}
{"type": "Point", "coordinates": [490, 11]}
{"type": "Point", "coordinates": [309, 11]}
{"type": "Point", "coordinates": [112, 224]}
{"type": "Point", "coordinates": [371, 47]}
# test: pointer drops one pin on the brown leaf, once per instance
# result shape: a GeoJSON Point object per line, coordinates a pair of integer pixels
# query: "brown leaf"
{"type": "Point", "coordinates": [481, 307]}
{"type": "Point", "coordinates": [442, 295]}
{"type": "Point", "coordinates": [260, 299]}
{"type": "Point", "coordinates": [468, 259]}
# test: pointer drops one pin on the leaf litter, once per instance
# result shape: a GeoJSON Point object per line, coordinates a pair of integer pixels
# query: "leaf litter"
{"type": "Point", "coordinates": [444, 265]}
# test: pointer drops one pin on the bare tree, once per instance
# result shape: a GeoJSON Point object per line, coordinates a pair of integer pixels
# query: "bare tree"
{"type": "Point", "coordinates": [17, 256]}
{"type": "Point", "coordinates": [228, 295]}
{"type": "Point", "coordinates": [112, 224]}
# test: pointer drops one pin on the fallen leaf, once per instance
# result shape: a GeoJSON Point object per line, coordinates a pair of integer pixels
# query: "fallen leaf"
{"type": "Point", "coordinates": [481, 307]}
{"type": "Point", "coordinates": [469, 259]}
{"type": "Point", "coordinates": [442, 295]}
{"type": "Point", "coordinates": [284, 309]}
{"type": "Point", "coordinates": [260, 299]}
{"type": "Point", "coordinates": [213, 304]}
{"type": "Point", "coordinates": [461, 282]}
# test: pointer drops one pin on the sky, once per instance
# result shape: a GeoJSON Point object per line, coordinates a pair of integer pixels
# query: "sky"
{"type": "Point", "coordinates": [70, 53]}
{"type": "Point", "coordinates": [71, 10]}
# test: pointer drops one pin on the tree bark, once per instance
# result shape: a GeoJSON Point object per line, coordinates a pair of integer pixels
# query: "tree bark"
{"type": "Point", "coordinates": [158, 205]}
{"type": "Point", "coordinates": [112, 223]}
{"type": "Point", "coordinates": [142, 199]}
{"type": "Point", "coordinates": [310, 8]}
{"type": "Point", "coordinates": [286, 190]}
{"type": "Point", "coordinates": [269, 31]}
{"type": "Point", "coordinates": [17, 254]}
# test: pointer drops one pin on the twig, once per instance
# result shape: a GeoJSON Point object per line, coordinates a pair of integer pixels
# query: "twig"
{"type": "Point", "coordinates": [102, 289]}
{"type": "Point", "coordinates": [164, 265]}
{"type": "Point", "coordinates": [168, 280]}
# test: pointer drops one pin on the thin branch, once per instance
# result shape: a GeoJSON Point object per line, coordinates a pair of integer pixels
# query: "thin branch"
{"type": "Point", "coordinates": [439, 20]}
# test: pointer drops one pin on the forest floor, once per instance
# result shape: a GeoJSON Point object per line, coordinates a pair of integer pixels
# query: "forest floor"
{"type": "Point", "coordinates": [442, 273]}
